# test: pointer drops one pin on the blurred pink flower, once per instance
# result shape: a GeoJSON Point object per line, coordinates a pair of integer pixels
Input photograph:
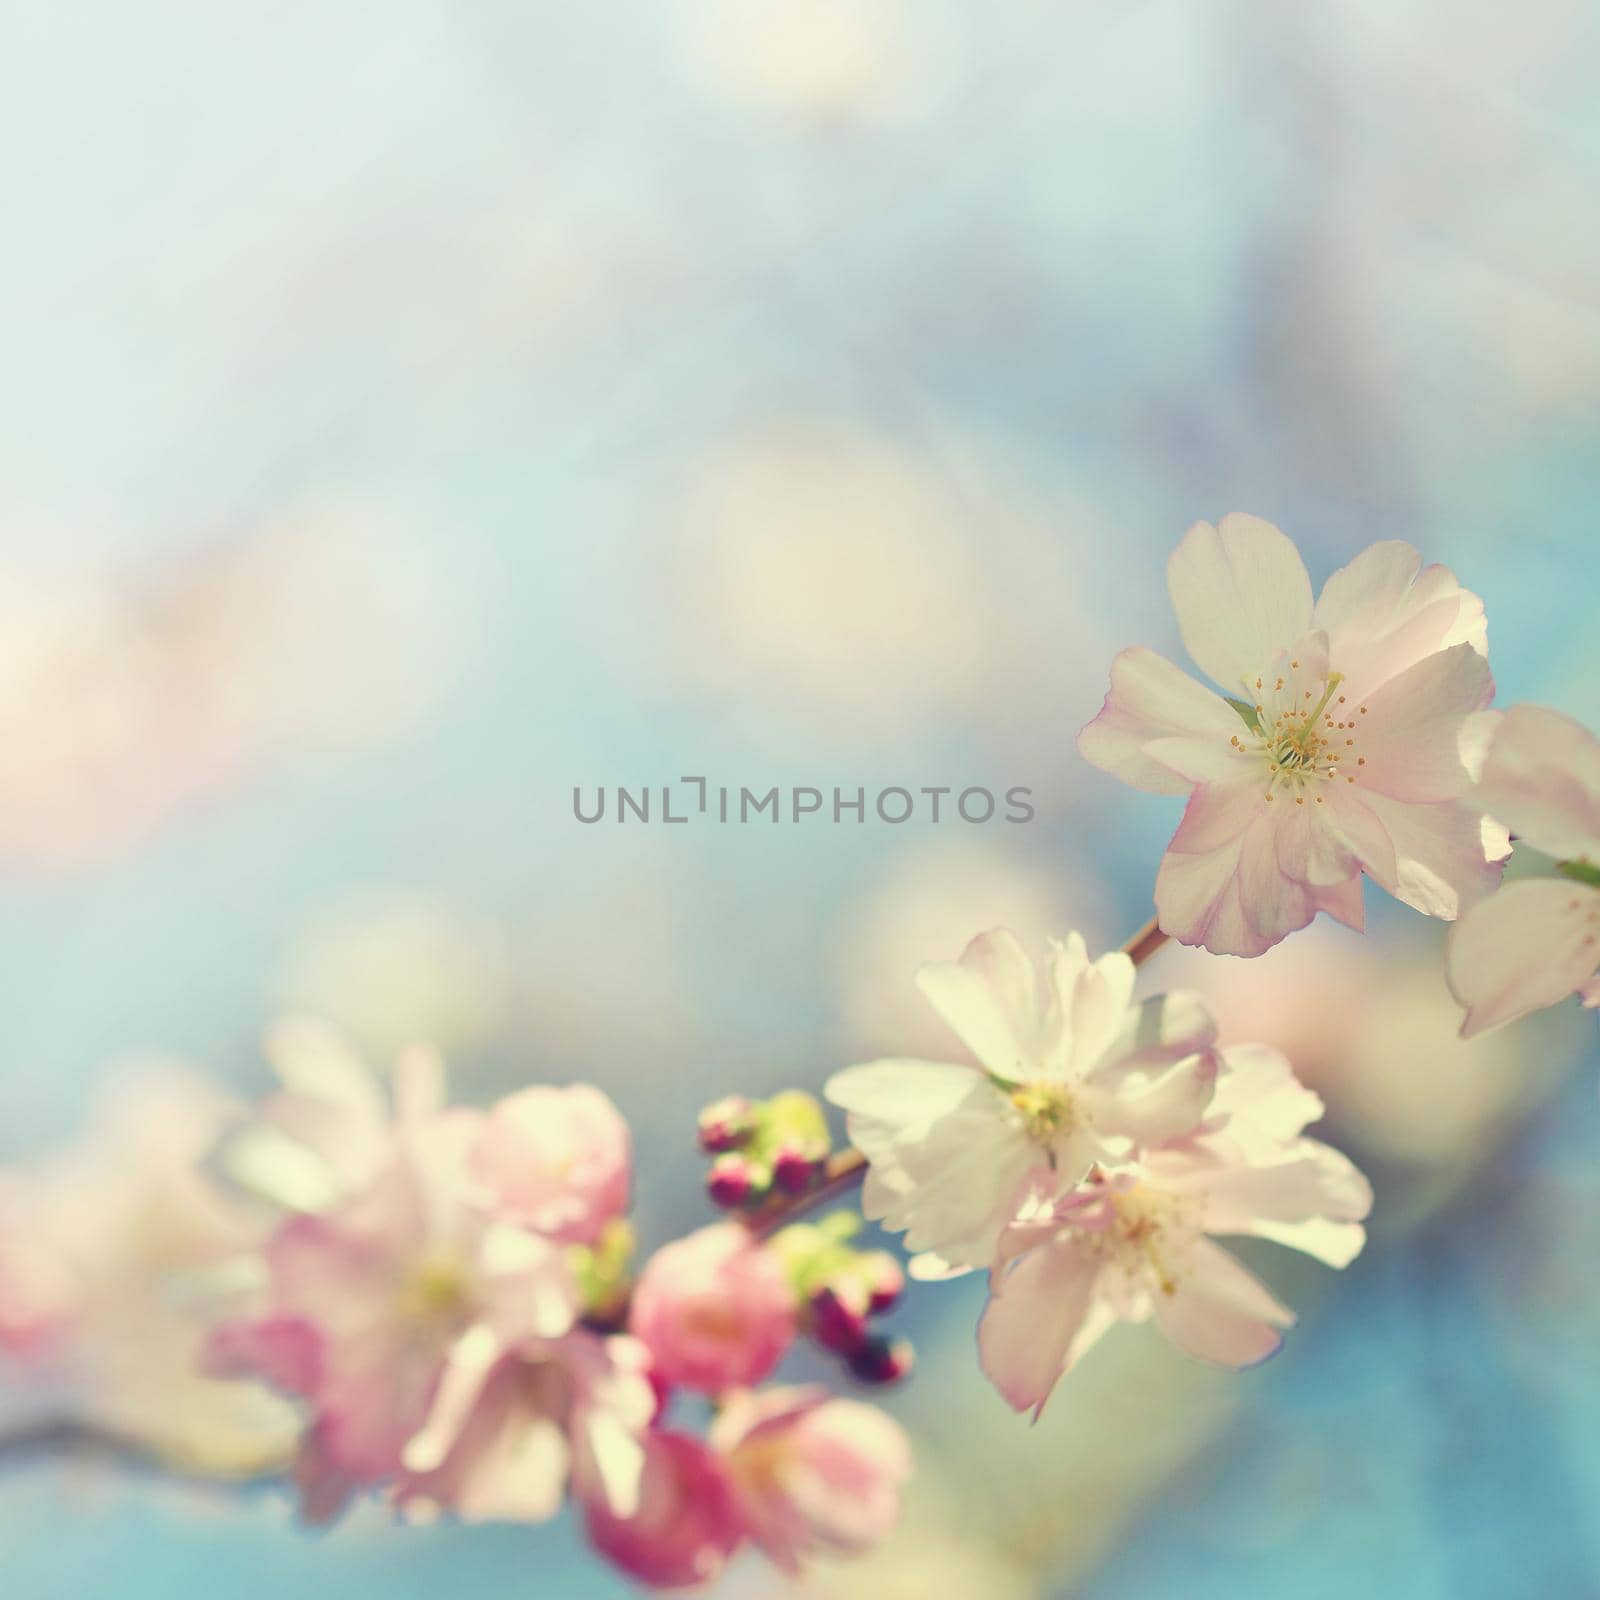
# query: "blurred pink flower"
{"type": "Point", "coordinates": [811, 1474]}
{"type": "Point", "coordinates": [683, 1528]}
{"type": "Point", "coordinates": [40, 1293]}
{"type": "Point", "coordinates": [1136, 1240]}
{"type": "Point", "coordinates": [1069, 1072]}
{"type": "Point", "coordinates": [556, 1160]}
{"type": "Point", "coordinates": [115, 1258]}
{"type": "Point", "coordinates": [1537, 940]}
{"type": "Point", "coordinates": [508, 1431]}
{"type": "Point", "coordinates": [715, 1309]}
{"type": "Point", "coordinates": [1343, 745]}
{"type": "Point", "coordinates": [369, 1303]}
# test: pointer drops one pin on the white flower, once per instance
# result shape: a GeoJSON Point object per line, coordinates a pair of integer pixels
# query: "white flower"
{"type": "Point", "coordinates": [1136, 1241]}
{"type": "Point", "coordinates": [1069, 1072]}
{"type": "Point", "coordinates": [1535, 941]}
{"type": "Point", "coordinates": [1343, 747]}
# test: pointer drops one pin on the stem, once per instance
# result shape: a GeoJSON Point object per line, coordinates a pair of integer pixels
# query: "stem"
{"type": "Point", "coordinates": [1145, 942]}
{"type": "Point", "coordinates": [846, 1168]}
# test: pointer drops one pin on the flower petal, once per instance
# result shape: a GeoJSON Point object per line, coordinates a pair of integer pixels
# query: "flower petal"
{"type": "Point", "coordinates": [1091, 1000]}
{"type": "Point", "coordinates": [1266, 1107]}
{"type": "Point", "coordinates": [1159, 1109]}
{"type": "Point", "coordinates": [1527, 946]}
{"type": "Point", "coordinates": [1382, 615]}
{"type": "Point", "coordinates": [1218, 1312]}
{"type": "Point", "coordinates": [989, 1001]}
{"type": "Point", "coordinates": [1241, 593]}
{"type": "Point", "coordinates": [1542, 779]}
{"type": "Point", "coordinates": [1032, 1319]}
{"type": "Point", "coordinates": [1410, 742]}
{"type": "Point", "coordinates": [1443, 860]}
{"type": "Point", "coordinates": [1151, 699]}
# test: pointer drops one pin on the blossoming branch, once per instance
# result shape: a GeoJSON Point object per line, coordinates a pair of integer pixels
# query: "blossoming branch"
{"type": "Point", "coordinates": [387, 1294]}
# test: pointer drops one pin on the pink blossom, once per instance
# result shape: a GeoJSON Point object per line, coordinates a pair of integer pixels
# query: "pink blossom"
{"type": "Point", "coordinates": [1537, 940]}
{"type": "Point", "coordinates": [683, 1528]}
{"type": "Point", "coordinates": [715, 1310]}
{"type": "Point", "coordinates": [811, 1475]}
{"type": "Point", "coordinates": [1068, 1071]}
{"type": "Point", "coordinates": [368, 1304]}
{"type": "Point", "coordinates": [509, 1429]}
{"type": "Point", "coordinates": [1344, 744]}
{"type": "Point", "coordinates": [1136, 1241]}
{"type": "Point", "coordinates": [556, 1160]}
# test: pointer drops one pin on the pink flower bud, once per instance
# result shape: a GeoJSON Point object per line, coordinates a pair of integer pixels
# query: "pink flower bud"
{"type": "Point", "coordinates": [726, 1124]}
{"type": "Point", "coordinates": [885, 1279]}
{"type": "Point", "coordinates": [882, 1360]}
{"type": "Point", "coordinates": [715, 1310]}
{"type": "Point", "coordinates": [731, 1181]}
{"type": "Point", "coordinates": [839, 1318]}
{"type": "Point", "coordinates": [555, 1160]}
{"type": "Point", "coordinates": [795, 1169]}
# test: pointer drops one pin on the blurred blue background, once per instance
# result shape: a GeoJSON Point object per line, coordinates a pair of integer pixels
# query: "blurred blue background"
{"type": "Point", "coordinates": [417, 410]}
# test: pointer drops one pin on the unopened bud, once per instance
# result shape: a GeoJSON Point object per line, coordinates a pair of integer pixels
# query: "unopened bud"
{"type": "Point", "coordinates": [795, 1169]}
{"type": "Point", "coordinates": [726, 1124]}
{"type": "Point", "coordinates": [881, 1360]}
{"type": "Point", "coordinates": [730, 1181]}
{"type": "Point", "coordinates": [885, 1279]}
{"type": "Point", "coordinates": [838, 1320]}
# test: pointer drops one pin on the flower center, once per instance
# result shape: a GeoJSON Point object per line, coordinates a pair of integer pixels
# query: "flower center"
{"type": "Point", "coordinates": [1302, 733]}
{"type": "Point", "coordinates": [1046, 1109]}
{"type": "Point", "coordinates": [1149, 1233]}
{"type": "Point", "coordinates": [435, 1291]}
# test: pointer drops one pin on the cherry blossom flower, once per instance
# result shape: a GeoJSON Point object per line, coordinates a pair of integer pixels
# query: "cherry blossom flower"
{"type": "Point", "coordinates": [1342, 741]}
{"type": "Point", "coordinates": [115, 1257]}
{"type": "Point", "coordinates": [716, 1310]}
{"type": "Point", "coordinates": [683, 1528]}
{"type": "Point", "coordinates": [1136, 1240]}
{"type": "Point", "coordinates": [1536, 940]}
{"type": "Point", "coordinates": [811, 1474]}
{"type": "Point", "coordinates": [368, 1304]}
{"type": "Point", "coordinates": [556, 1160]}
{"type": "Point", "coordinates": [510, 1430]}
{"type": "Point", "coordinates": [1069, 1072]}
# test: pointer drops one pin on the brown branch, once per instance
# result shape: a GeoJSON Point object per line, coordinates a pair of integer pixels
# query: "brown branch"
{"type": "Point", "coordinates": [846, 1168]}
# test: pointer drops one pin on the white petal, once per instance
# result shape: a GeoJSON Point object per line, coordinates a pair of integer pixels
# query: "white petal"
{"type": "Point", "coordinates": [1265, 1104]}
{"type": "Point", "coordinates": [1032, 1321]}
{"type": "Point", "coordinates": [1531, 944]}
{"type": "Point", "coordinates": [1151, 699]}
{"type": "Point", "coordinates": [900, 1093]}
{"type": "Point", "coordinates": [1241, 595]}
{"type": "Point", "coordinates": [1383, 615]}
{"type": "Point", "coordinates": [1159, 1109]}
{"type": "Point", "coordinates": [1441, 858]}
{"type": "Point", "coordinates": [1219, 1312]}
{"type": "Point", "coordinates": [990, 1001]}
{"type": "Point", "coordinates": [1411, 739]}
{"type": "Point", "coordinates": [1542, 779]}
{"type": "Point", "coordinates": [467, 1367]}
{"type": "Point", "coordinates": [313, 1060]}
{"type": "Point", "coordinates": [1335, 1244]}
{"type": "Point", "coordinates": [1092, 1000]}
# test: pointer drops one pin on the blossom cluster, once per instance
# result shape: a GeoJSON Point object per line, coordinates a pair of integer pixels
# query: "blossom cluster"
{"type": "Point", "coordinates": [439, 1304]}
{"type": "Point", "coordinates": [449, 1298]}
{"type": "Point", "coordinates": [1086, 1157]}
{"type": "Point", "coordinates": [1353, 737]}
